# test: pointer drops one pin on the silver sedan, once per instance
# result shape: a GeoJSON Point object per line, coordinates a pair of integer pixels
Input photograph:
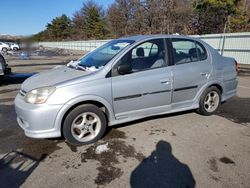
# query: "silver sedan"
{"type": "Point", "coordinates": [124, 80]}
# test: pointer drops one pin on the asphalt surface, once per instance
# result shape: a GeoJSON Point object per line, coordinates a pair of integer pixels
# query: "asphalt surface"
{"type": "Point", "coordinates": [177, 150]}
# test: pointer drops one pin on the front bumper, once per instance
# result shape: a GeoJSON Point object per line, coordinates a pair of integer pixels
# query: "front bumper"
{"type": "Point", "coordinates": [37, 120]}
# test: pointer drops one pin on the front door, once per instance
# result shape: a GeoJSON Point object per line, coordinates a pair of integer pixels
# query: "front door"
{"type": "Point", "coordinates": [146, 88]}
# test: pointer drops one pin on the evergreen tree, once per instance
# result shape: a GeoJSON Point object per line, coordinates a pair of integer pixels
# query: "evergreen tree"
{"type": "Point", "coordinates": [59, 28]}
{"type": "Point", "coordinates": [89, 22]}
{"type": "Point", "coordinates": [210, 16]}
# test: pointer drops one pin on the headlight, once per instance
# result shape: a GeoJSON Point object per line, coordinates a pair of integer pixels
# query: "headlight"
{"type": "Point", "coordinates": [39, 95]}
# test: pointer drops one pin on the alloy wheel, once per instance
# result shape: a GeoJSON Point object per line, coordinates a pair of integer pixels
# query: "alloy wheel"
{"type": "Point", "coordinates": [86, 126]}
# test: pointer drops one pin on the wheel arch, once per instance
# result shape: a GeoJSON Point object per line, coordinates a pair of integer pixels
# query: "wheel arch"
{"type": "Point", "coordinates": [101, 103]}
{"type": "Point", "coordinates": [218, 86]}
{"type": "Point", "coordinates": [203, 95]}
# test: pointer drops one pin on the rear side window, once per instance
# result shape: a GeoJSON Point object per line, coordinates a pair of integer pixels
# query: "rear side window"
{"type": "Point", "coordinates": [187, 51]}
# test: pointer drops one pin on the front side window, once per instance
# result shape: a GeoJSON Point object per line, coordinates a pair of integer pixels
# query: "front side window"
{"type": "Point", "coordinates": [187, 51]}
{"type": "Point", "coordinates": [147, 55]}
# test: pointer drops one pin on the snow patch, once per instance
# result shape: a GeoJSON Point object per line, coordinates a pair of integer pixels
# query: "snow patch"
{"type": "Point", "coordinates": [101, 148]}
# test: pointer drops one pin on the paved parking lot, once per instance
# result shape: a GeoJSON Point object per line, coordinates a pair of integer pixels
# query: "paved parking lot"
{"type": "Point", "coordinates": [177, 150]}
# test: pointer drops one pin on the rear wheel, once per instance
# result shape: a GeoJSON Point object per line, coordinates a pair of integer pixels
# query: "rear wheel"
{"type": "Point", "coordinates": [15, 48]}
{"type": "Point", "coordinates": [210, 101]}
{"type": "Point", "coordinates": [84, 125]}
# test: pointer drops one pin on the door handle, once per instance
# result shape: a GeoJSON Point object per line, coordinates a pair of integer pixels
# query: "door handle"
{"type": "Point", "coordinates": [204, 74]}
{"type": "Point", "coordinates": [207, 75]}
{"type": "Point", "coordinates": [165, 81]}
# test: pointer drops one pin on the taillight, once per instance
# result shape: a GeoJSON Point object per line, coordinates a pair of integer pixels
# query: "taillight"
{"type": "Point", "coordinates": [237, 66]}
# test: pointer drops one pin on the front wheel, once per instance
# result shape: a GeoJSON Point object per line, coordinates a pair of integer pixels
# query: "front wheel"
{"type": "Point", "coordinates": [210, 101]}
{"type": "Point", "coordinates": [84, 125]}
{"type": "Point", "coordinates": [4, 49]}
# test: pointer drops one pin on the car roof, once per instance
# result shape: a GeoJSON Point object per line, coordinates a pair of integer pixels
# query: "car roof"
{"type": "Point", "coordinates": [144, 37]}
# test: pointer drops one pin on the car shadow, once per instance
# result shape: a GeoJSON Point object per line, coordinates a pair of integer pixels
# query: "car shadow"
{"type": "Point", "coordinates": [236, 110]}
{"type": "Point", "coordinates": [162, 169]}
{"type": "Point", "coordinates": [16, 78]}
{"type": "Point", "coordinates": [12, 137]}
{"type": "Point", "coordinates": [16, 167]}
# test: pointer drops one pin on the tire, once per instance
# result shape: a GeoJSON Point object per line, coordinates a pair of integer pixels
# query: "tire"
{"type": "Point", "coordinates": [4, 49]}
{"type": "Point", "coordinates": [84, 125]}
{"type": "Point", "coordinates": [1, 80]}
{"type": "Point", "coordinates": [210, 101]}
{"type": "Point", "coordinates": [15, 49]}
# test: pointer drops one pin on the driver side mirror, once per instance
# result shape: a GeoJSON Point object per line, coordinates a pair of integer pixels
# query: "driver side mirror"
{"type": "Point", "coordinates": [125, 68]}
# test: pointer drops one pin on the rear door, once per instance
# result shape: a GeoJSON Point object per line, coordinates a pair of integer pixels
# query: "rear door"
{"type": "Point", "coordinates": [191, 69]}
{"type": "Point", "coordinates": [147, 88]}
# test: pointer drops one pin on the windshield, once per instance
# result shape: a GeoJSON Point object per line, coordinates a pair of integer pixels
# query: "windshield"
{"type": "Point", "coordinates": [102, 55]}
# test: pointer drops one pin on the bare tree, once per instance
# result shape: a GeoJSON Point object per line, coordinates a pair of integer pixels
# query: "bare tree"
{"type": "Point", "coordinates": [166, 16]}
{"type": "Point", "coordinates": [122, 16]}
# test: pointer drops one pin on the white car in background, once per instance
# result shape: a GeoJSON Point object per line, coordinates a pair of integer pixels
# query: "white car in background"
{"type": "Point", "coordinates": [14, 46]}
{"type": "Point", "coordinates": [4, 47]}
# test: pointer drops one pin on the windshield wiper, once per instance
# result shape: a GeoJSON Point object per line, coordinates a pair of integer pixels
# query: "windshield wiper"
{"type": "Point", "coordinates": [77, 65]}
{"type": "Point", "coordinates": [80, 67]}
{"type": "Point", "coordinates": [89, 68]}
{"type": "Point", "coordinates": [72, 64]}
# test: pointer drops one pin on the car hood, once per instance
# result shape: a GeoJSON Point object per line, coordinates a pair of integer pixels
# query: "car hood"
{"type": "Point", "coordinates": [52, 77]}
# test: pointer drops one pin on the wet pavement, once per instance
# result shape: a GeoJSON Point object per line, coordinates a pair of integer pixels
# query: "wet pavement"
{"type": "Point", "coordinates": [177, 150]}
